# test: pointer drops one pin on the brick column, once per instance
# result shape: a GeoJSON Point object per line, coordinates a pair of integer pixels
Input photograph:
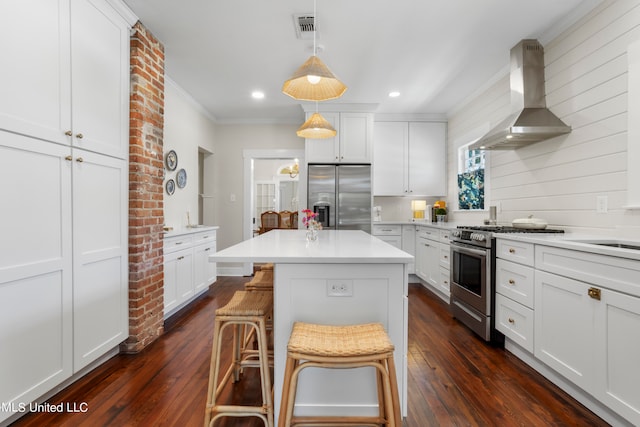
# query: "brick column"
{"type": "Point", "coordinates": [146, 216]}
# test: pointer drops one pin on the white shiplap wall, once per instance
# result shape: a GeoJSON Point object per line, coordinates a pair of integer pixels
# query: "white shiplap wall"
{"type": "Point", "coordinates": [560, 179]}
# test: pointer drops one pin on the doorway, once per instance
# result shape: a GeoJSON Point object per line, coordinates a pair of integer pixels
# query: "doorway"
{"type": "Point", "coordinates": [268, 166]}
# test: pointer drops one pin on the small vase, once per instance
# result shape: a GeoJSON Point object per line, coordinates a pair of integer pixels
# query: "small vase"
{"type": "Point", "coordinates": [312, 234]}
{"type": "Point", "coordinates": [440, 218]}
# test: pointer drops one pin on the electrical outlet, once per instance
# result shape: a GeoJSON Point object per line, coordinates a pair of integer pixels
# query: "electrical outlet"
{"type": "Point", "coordinates": [601, 204]}
{"type": "Point", "coordinates": [340, 288]}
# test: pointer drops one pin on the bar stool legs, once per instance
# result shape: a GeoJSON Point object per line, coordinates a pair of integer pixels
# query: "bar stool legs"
{"type": "Point", "coordinates": [245, 310]}
{"type": "Point", "coordinates": [341, 347]}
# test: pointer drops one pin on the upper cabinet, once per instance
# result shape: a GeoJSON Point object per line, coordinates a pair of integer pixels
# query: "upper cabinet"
{"type": "Point", "coordinates": [82, 98]}
{"type": "Point", "coordinates": [352, 144]}
{"type": "Point", "coordinates": [409, 159]}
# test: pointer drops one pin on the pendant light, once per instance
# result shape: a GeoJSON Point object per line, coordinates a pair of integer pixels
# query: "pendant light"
{"type": "Point", "coordinates": [313, 81]}
{"type": "Point", "coordinates": [316, 127]}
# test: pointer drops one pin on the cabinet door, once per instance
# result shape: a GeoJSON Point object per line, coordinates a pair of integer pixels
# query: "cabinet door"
{"type": "Point", "coordinates": [35, 268]}
{"type": "Point", "coordinates": [421, 258]}
{"type": "Point", "coordinates": [356, 137]}
{"type": "Point", "coordinates": [390, 158]}
{"type": "Point", "coordinates": [324, 150]}
{"type": "Point", "coordinates": [564, 324]}
{"type": "Point", "coordinates": [35, 79]}
{"type": "Point", "coordinates": [618, 352]}
{"type": "Point", "coordinates": [100, 288]}
{"type": "Point", "coordinates": [100, 70]}
{"type": "Point", "coordinates": [409, 244]}
{"type": "Point", "coordinates": [427, 159]}
{"type": "Point", "coordinates": [204, 271]}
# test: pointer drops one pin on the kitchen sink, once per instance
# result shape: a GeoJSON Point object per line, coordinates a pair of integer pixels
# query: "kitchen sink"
{"type": "Point", "coordinates": [611, 243]}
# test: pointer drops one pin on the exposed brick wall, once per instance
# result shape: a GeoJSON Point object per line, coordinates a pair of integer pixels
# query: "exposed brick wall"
{"type": "Point", "coordinates": [146, 216]}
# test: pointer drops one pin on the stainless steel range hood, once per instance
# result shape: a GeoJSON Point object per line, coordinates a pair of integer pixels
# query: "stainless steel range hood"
{"type": "Point", "coordinates": [530, 121]}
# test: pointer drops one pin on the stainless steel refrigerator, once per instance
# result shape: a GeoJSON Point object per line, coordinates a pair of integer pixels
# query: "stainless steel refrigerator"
{"type": "Point", "coordinates": [341, 195]}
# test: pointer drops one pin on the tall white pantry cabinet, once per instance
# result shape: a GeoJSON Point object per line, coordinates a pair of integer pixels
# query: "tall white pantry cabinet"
{"type": "Point", "coordinates": [64, 111]}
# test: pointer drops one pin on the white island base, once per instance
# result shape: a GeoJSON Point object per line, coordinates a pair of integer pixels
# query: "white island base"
{"type": "Point", "coordinates": [346, 277]}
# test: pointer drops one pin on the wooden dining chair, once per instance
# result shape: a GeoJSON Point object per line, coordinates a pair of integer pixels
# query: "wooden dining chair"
{"type": "Point", "coordinates": [269, 220]}
{"type": "Point", "coordinates": [285, 219]}
{"type": "Point", "coordinates": [294, 220]}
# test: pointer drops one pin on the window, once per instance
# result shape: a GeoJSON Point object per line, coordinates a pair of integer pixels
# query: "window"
{"type": "Point", "coordinates": [471, 178]}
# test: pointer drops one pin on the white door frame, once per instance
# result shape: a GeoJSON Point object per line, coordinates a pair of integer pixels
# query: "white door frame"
{"type": "Point", "coordinates": [251, 155]}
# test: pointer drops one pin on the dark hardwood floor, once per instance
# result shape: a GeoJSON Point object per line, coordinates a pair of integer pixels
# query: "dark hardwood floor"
{"type": "Point", "coordinates": [455, 379]}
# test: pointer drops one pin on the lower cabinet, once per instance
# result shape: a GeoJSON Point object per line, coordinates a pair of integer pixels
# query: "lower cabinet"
{"type": "Point", "coordinates": [578, 313]}
{"type": "Point", "coordinates": [187, 270]}
{"type": "Point", "coordinates": [63, 264]}
{"type": "Point", "coordinates": [433, 259]}
{"type": "Point", "coordinates": [592, 337]}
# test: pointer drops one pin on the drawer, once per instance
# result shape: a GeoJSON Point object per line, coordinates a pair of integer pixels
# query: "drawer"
{"type": "Point", "coordinates": [386, 230]}
{"type": "Point", "coordinates": [428, 233]}
{"type": "Point", "coordinates": [515, 321]}
{"type": "Point", "coordinates": [445, 236]}
{"type": "Point", "coordinates": [445, 256]}
{"type": "Point", "coordinates": [512, 250]}
{"type": "Point", "coordinates": [515, 281]}
{"type": "Point", "coordinates": [172, 244]}
{"type": "Point", "coordinates": [392, 240]}
{"type": "Point", "coordinates": [205, 236]}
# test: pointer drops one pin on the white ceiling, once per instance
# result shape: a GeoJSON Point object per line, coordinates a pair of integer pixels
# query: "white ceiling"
{"type": "Point", "coordinates": [435, 53]}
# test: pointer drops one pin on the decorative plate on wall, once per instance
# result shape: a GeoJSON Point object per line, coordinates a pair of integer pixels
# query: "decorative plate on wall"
{"type": "Point", "coordinates": [181, 177]}
{"type": "Point", "coordinates": [170, 186]}
{"type": "Point", "coordinates": [171, 160]}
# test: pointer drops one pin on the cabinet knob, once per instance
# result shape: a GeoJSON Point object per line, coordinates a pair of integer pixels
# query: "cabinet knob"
{"type": "Point", "coordinates": [512, 251]}
{"type": "Point", "coordinates": [512, 282]}
{"type": "Point", "coordinates": [68, 133]}
{"type": "Point", "coordinates": [79, 160]}
{"type": "Point", "coordinates": [594, 293]}
{"type": "Point", "coordinates": [511, 320]}
{"type": "Point", "coordinates": [207, 249]}
{"type": "Point", "coordinates": [181, 257]}
{"type": "Point", "coordinates": [79, 136]}
{"type": "Point", "coordinates": [69, 158]}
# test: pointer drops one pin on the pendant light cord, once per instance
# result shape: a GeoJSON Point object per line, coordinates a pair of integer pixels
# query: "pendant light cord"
{"type": "Point", "coordinates": [315, 26]}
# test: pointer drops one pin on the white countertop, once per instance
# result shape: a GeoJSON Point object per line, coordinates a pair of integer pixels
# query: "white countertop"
{"type": "Point", "coordinates": [443, 225]}
{"type": "Point", "coordinates": [332, 246]}
{"type": "Point", "coordinates": [576, 241]}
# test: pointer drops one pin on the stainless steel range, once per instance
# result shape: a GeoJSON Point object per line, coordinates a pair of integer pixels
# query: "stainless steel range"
{"type": "Point", "coordinates": [473, 283]}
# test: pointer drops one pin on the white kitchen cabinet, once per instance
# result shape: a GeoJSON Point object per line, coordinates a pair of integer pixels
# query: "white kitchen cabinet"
{"type": "Point", "coordinates": [69, 80]}
{"type": "Point", "coordinates": [36, 277]}
{"type": "Point", "coordinates": [205, 272]}
{"type": "Point", "coordinates": [515, 291]}
{"type": "Point", "coordinates": [100, 255]}
{"type": "Point", "coordinates": [187, 270]}
{"type": "Point", "coordinates": [352, 144]}
{"type": "Point", "coordinates": [433, 259]}
{"type": "Point", "coordinates": [68, 275]}
{"type": "Point", "coordinates": [64, 161]}
{"type": "Point", "coordinates": [587, 324]}
{"type": "Point", "coordinates": [409, 159]}
{"type": "Point", "coordinates": [409, 244]}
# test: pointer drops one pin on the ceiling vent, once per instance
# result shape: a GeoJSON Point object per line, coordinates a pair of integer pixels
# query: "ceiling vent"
{"type": "Point", "coordinates": [305, 26]}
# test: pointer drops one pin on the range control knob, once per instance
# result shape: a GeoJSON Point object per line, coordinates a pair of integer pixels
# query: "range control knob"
{"type": "Point", "coordinates": [455, 233]}
{"type": "Point", "coordinates": [478, 237]}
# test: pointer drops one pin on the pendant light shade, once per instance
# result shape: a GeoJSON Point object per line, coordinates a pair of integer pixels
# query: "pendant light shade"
{"type": "Point", "coordinates": [316, 127]}
{"type": "Point", "coordinates": [313, 81]}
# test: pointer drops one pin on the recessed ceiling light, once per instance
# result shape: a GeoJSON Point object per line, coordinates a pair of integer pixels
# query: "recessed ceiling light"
{"type": "Point", "coordinates": [256, 94]}
{"type": "Point", "coordinates": [394, 94]}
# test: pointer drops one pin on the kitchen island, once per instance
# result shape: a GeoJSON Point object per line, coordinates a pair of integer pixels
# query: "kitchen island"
{"type": "Point", "coordinates": [344, 277]}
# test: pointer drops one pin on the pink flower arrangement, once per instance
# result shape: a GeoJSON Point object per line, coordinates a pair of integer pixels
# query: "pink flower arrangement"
{"type": "Point", "coordinates": [309, 219]}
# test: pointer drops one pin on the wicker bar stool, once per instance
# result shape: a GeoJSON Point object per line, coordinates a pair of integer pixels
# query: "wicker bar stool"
{"type": "Point", "coordinates": [250, 310]}
{"type": "Point", "coordinates": [262, 281]}
{"type": "Point", "coordinates": [341, 347]}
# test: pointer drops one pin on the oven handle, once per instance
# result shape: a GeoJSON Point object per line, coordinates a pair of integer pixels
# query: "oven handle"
{"type": "Point", "coordinates": [468, 251]}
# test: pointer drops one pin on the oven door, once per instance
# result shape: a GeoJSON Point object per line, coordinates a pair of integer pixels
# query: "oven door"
{"type": "Point", "coordinates": [470, 276]}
